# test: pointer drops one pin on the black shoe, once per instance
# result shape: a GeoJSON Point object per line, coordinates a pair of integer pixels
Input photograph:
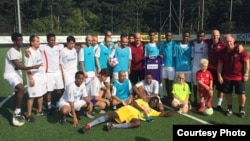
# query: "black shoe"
{"type": "Point", "coordinates": [229, 113]}
{"type": "Point", "coordinates": [62, 119]}
{"type": "Point", "coordinates": [49, 112]}
{"type": "Point", "coordinates": [109, 126]}
{"type": "Point", "coordinates": [20, 117]}
{"type": "Point", "coordinates": [30, 119]}
{"type": "Point", "coordinates": [219, 108]}
{"type": "Point", "coordinates": [242, 114]}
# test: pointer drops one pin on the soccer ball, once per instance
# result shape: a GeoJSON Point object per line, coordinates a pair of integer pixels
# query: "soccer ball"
{"type": "Point", "coordinates": [114, 61]}
{"type": "Point", "coordinates": [17, 123]}
{"type": "Point", "coordinates": [208, 111]}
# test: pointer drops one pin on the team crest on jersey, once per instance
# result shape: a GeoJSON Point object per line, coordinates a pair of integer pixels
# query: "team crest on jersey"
{"type": "Point", "coordinates": [235, 55]}
{"type": "Point", "coordinates": [219, 47]}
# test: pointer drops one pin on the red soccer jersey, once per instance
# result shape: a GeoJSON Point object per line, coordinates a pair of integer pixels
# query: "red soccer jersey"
{"type": "Point", "coordinates": [233, 63]}
{"type": "Point", "coordinates": [137, 62]}
{"type": "Point", "coordinates": [205, 77]}
{"type": "Point", "coordinates": [213, 52]}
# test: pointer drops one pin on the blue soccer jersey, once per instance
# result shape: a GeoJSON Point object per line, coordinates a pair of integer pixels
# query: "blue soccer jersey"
{"type": "Point", "coordinates": [89, 58]}
{"type": "Point", "coordinates": [104, 55]}
{"type": "Point", "coordinates": [183, 54]}
{"type": "Point", "coordinates": [122, 89]}
{"type": "Point", "coordinates": [151, 49]}
{"type": "Point", "coordinates": [167, 50]}
{"type": "Point", "coordinates": [123, 56]}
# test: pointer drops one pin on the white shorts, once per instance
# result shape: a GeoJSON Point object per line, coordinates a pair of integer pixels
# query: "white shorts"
{"type": "Point", "coordinates": [78, 104]}
{"type": "Point", "coordinates": [37, 90]}
{"type": "Point", "coordinates": [13, 79]}
{"type": "Point", "coordinates": [195, 69]}
{"type": "Point", "coordinates": [168, 73]}
{"type": "Point", "coordinates": [54, 81]}
{"type": "Point", "coordinates": [116, 75]}
{"type": "Point", "coordinates": [178, 102]}
{"type": "Point", "coordinates": [188, 75]}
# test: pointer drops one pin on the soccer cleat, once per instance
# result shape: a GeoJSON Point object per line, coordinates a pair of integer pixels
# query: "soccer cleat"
{"type": "Point", "coordinates": [109, 126]}
{"type": "Point", "coordinates": [219, 108]}
{"type": "Point", "coordinates": [242, 114]}
{"type": "Point", "coordinates": [62, 119]}
{"type": "Point", "coordinates": [90, 115]}
{"type": "Point", "coordinates": [85, 128]}
{"type": "Point", "coordinates": [49, 112]}
{"type": "Point", "coordinates": [30, 119]}
{"type": "Point", "coordinates": [229, 113]}
{"type": "Point", "coordinates": [201, 109]}
{"type": "Point", "coordinates": [20, 117]}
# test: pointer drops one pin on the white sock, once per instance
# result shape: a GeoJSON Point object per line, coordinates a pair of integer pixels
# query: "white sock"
{"type": "Point", "coordinates": [17, 111]}
{"type": "Point", "coordinates": [49, 105]}
{"type": "Point", "coordinates": [219, 101]}
{"type": "Point", "coordinates": [161, 91]}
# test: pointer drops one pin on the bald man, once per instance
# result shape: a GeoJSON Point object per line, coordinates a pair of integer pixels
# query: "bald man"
{"type": "Point", "coordinates": [233, 67]}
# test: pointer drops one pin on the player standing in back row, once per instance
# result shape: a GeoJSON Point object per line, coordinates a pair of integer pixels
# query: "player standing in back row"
{"type": "Point", "coordinates": [13, 74]}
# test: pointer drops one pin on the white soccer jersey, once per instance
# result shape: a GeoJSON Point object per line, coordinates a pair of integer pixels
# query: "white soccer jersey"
{"type": "Point", "coordinates": [73, 93]}
{"type": "Point", "coordinates": [68, 60]}
{"type": "Point", "coordinates": [11, 55]}
{"type": "Point", "coordinates": [93, 87]}
{"type": "Point", "coordinates": [150, 89]}
{"type": "Point", "coordinates": [199, 51]}
{"type": "Point", "coordinates": [51, 56]}
{"type": "Point", "coordinates": [38, 75]}
{"type": "Point", "coordinates": [35, 58]}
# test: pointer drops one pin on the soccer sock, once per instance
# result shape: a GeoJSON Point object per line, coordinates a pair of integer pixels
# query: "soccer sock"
{"type": "Point", "coordinates": [161, 91]}
{"type": "Point", "coordinates": [98, 120]}
{"type": "Point", "coordinates": [229, 107]}
{"type": "Point", "coordinates": [219, 101]}
{"type": "Point", "coordinates": [202, 104]}
{"type": "Point", "coordinates": [241, 108]}
{"type": "Point", "coordinates": [49, 105]}
{"type": "Point", "coordinates": [122, 125]}
{"type": "Point", "coordinates": [209, 99]}
{"type": "Point", "coordinates": [17, 111]}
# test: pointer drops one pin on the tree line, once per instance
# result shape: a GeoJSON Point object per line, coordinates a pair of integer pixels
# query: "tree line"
{"type": "Point", "coordinates": [78, 17]}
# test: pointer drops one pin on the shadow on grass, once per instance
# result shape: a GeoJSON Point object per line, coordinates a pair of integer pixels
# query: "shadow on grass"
{"type": "Point", "coordinates": [141, 139]}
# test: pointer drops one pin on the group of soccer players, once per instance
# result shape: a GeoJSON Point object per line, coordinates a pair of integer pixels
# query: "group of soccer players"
{"type": "Point", "coordinates": [97, 75]}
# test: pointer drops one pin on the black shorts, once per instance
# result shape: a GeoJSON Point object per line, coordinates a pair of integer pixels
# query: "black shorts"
{"type": "Point", "coordinates": [229, 85]}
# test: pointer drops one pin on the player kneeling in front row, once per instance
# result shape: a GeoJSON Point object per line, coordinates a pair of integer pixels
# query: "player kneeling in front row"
{"type": "Point", "coordinates": [74, 99]}
{"type": "Point", "coordinates": [129, 116]}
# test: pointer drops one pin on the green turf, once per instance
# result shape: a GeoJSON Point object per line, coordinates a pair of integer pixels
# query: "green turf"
{"type": "Point", "coordinates": [48, 128]}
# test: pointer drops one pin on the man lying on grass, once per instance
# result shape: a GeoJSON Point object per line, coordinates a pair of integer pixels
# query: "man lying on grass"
{"type": "Point", "coordinates": [129, 116]}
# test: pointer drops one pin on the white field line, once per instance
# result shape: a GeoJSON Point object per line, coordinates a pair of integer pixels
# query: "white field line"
{"type": "Point", "coordinates": [191, 117]}
{"type": "Point", "coordinates": [8, 97]}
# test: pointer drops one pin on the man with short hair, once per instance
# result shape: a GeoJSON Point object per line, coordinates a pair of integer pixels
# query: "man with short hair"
{"type": "Point", "coordinates": [148, 88]}
{"type": "Point", "coordinates": [13, 74]}
{"type": "Point", "coordinates": [233, 72]}
{"type": "Point", "coordinates": [129, 116]}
